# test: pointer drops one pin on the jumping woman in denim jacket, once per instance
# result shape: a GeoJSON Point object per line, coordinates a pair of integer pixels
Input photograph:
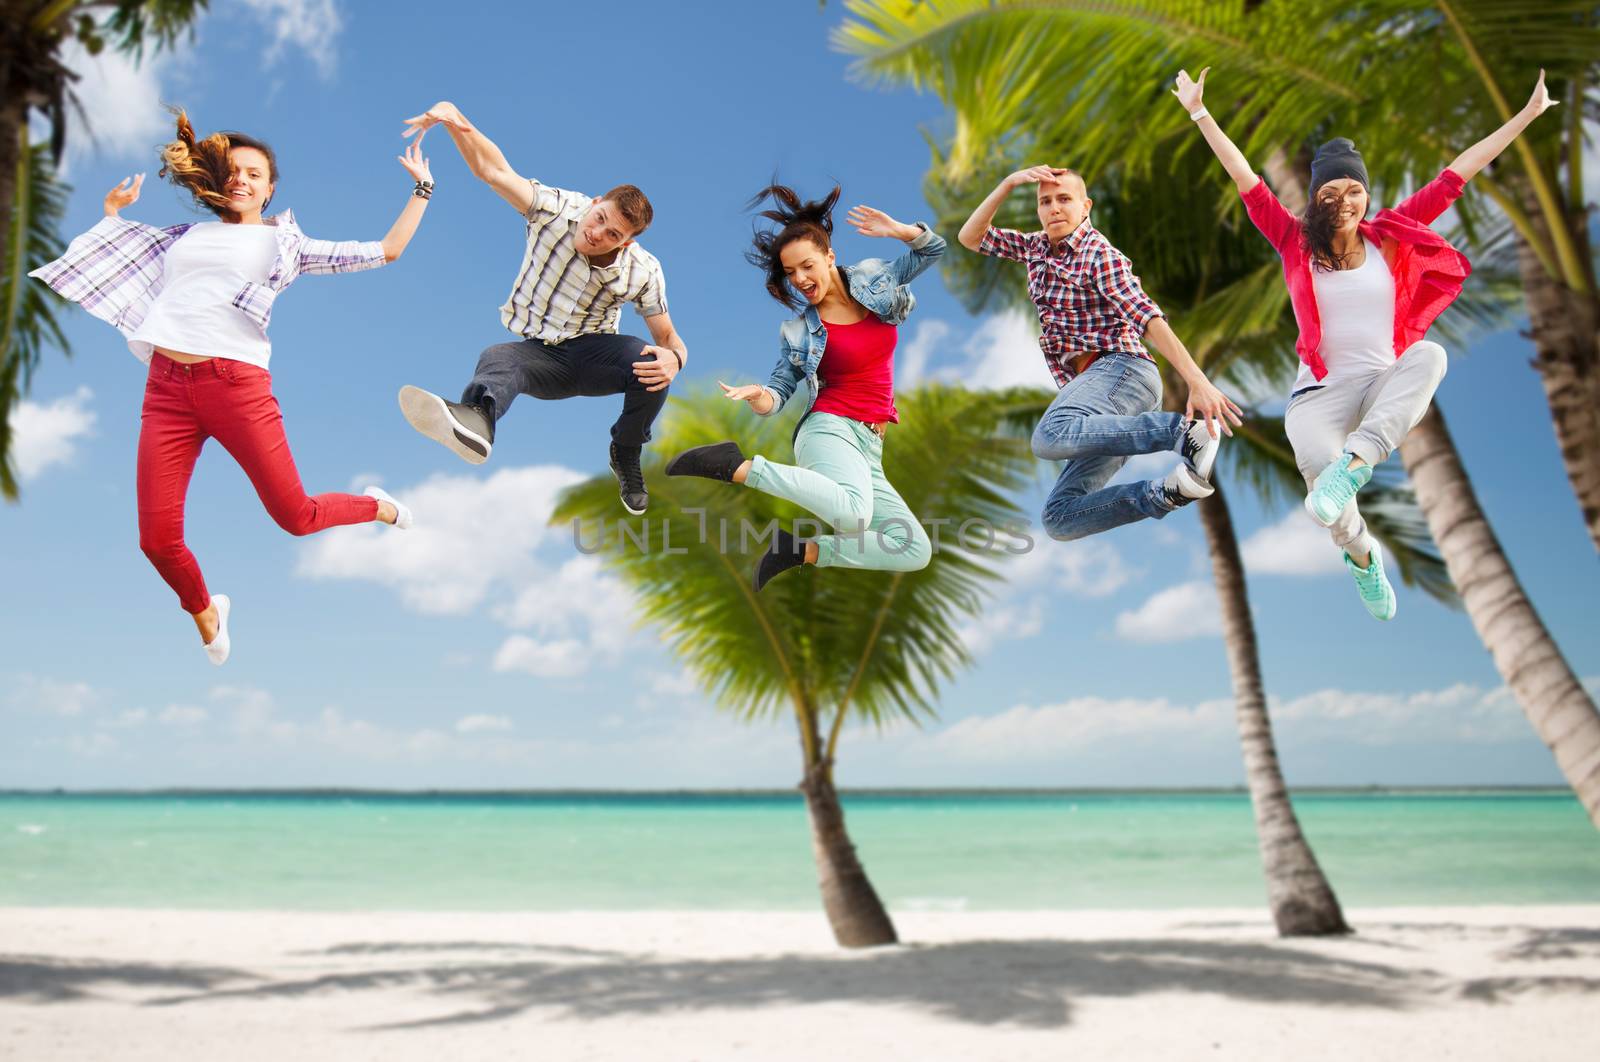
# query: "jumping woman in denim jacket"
{"type": "Point", "coordinates": [194, 301]}
{"type": "Point", "coordinates": [842, 347]}
{"type": "Point", "coordinates": [1364, 294]}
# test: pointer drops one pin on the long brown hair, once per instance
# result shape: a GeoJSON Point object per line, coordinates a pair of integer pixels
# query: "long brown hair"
{"type": "Point", "coordinates": [203, 166]}
{"type": "Point", "coordinates": [1317, 228]}
{"type": "Point", "coordinates": [800, 220]}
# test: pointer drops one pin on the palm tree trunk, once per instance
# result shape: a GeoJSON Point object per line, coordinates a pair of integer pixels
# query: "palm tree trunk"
{"type": "Point", "coordinates": [1562, 712]}
{"type": "Point", "coordinates": [1565, 327]}
{"type": "Point", "coordinates": [855, 913]}
{"type": "Point", "coordinates": [1302, 901]}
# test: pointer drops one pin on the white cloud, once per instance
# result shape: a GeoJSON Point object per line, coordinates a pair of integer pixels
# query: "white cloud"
{"type": "Point", "coordinates": [312, 26]}
{"type": "Point", "coordinates": [559, 659]}
{"type": "Point", "coordinates": [121, 100]}
{"type": "Point", "coordinates": [1188, 610]}
{"type": "Point", "coordinates": [911, 360]}
{"type": "Point", "coordinates": [45, 435]}
{"type": "Point", "coordinates": [1002, 352]}
{"type": "Point", "coordinates": [474, 724]}
{"type": "Point", "coordinates": [470, 536]}
{"type": "Point", "coordinates": [1055, 730]}
{"type": "Point", "coordinates": [577, 594]}
{"type": "Point", "coordinates": [128, 717]}
{"type": "Point", "coordinates": [183, 715]}
{"type": "Point", "coordinates": [34, 693]}
{"type": "Point", "coordinates": [1091, 568]}
{"type": "Point", "coordinates": [1293, 546]}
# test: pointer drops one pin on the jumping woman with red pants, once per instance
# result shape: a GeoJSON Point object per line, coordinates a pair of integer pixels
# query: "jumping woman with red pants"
{"type": "Point", "coordinates": [194, 301]}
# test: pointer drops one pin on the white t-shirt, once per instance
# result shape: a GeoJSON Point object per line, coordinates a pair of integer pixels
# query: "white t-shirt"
{"type": "Point", "coordinates": [202, 272]}
{"type": "Point", "coordinates": [1357, 311]}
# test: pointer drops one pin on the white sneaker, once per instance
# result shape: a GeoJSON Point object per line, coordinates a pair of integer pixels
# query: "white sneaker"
{"type": "Point", "coordinates": [1199, 449]}
{"type": "Point", "coordinates": [1183, 486]}
{"type": "Point", "coordinates": [217, 648]}
{"type": "Point", "coordinates": [402, 515]}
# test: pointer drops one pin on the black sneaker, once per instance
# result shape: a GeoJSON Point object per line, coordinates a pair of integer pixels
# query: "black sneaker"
{"type": "Point", "coordinates": [785, 552]}
{"type": "Point", "coordinates": [630, 478]}
{"type": "Point", "coordinates": [717, 461]}
{"type": "Point", "coordinates": [1199, 449]}
{"type": "Point", "coordinates": [1182, 486]}
{"type": "Point", "coordinates": [467, 430]}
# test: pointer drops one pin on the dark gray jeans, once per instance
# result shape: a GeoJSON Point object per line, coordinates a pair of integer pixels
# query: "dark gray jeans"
{"type": "Point", "coordinates": [594, 364]}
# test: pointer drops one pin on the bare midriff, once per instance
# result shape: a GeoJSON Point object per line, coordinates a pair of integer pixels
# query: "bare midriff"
{"type": "Point", "coordinates": [182, 358]}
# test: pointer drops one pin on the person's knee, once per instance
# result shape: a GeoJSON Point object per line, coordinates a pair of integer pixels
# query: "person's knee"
{"type": "Point", "coordinates": [1051, 439]}
{"type": "Point", "coordinates": [1431, 355]}
{"type": "Point", "coordinates": [162, 550]}
{"type": "Point", "coordinates": [297, 520]}
{"type": "Point", "coordinates": [1059, 527]}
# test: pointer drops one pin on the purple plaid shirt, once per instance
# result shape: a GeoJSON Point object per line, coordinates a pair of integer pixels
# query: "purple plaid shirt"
{"type": "Point", "coordinates": [115, 269]}
{"type": "Point", "coordinates": [1089, 299]}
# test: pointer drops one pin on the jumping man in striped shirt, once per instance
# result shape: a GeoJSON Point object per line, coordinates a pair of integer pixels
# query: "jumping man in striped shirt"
{"type": "Point", "coordinates": [1094, 318]}
{"type": "Point", "coordinates": [580, 266]}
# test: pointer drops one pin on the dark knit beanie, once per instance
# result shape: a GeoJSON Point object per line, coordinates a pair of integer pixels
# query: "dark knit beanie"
{"type": "Point", "coordinates": [1335, 159]}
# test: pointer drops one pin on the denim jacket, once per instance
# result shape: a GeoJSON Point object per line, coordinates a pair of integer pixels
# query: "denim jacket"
{"type": "Point", "coordinates": [878, 285]}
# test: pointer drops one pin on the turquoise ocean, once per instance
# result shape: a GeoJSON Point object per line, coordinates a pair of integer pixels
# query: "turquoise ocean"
{"type": "Point", "coordinates": [639, 851]}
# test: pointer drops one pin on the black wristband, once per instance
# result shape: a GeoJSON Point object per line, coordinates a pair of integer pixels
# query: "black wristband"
{"type": "Point", "coordinates": [675, 354]}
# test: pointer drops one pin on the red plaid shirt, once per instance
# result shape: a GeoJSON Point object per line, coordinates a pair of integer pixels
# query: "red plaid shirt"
{"type": "Point", "coordinates": [1088, 297]}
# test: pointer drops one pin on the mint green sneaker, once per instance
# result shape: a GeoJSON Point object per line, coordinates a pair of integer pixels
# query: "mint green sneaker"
{"type": "Point", "coordinates": [1333, 489]}
{"type": "Point", "coordinates": [1376, 593]}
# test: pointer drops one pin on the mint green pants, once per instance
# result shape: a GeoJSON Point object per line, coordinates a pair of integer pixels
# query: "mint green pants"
{"type": "Point", "coordinates": [840, 478]}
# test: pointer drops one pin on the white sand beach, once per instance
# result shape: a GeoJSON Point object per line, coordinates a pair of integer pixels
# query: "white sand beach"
{"type": "Point", "coordinates": [1457, 983]}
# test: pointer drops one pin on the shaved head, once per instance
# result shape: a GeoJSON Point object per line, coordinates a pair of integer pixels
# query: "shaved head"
{"type": "Point", "coordinates": [1072, 179]}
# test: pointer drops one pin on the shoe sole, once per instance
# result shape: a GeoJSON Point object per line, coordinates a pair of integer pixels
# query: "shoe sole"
{"type": "Point", "coordinates": [1311, 508]}
{"type": "Point", "coordinates": [618, 476]}
{"type": "Point", "coordinates": [427, 413]}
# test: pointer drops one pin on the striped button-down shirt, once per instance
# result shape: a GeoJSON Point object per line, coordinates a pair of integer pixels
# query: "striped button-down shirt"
{"type": "Point", "coordinates": [115, 270]}
{"type": "Point", "coordinates": [1088, 298]}
{"type": "Point", "coordinates": [558, 293]}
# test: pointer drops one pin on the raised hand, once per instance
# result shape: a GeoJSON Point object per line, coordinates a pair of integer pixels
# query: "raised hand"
{"type": "Point", "coordinates": [414, 162]}
{"type": "Point", "coordinates": [1540, 101]}
{"type": "Point", "coordinates": [1034, 175]}
{"type": "Point", "coordinates": [125, 194]}
{"type": "Point", "coordinates": [755, 394]}
{"type": "Point", "coordinates": [1189, 91]}
{"type": "Point", "coordinates": [871, 222]}
{"type": "Point", "coordinates": [1215, 407]}
{"type": "Point", "coordinates": [442, 112]}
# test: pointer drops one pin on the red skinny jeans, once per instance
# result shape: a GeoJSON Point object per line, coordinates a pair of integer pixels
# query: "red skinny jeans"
{"type": "Point", "coordinates": [184, 405]}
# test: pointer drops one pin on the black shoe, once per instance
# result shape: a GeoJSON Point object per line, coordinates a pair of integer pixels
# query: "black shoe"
{"type": "Point", "coordinates": [467, 430]}
{"type": "Point", "coordinates": [625, 466]}
{"type": "Point", "coordinates": [717, 461]}
{"type": "Point", "coordinates": [785, 552]}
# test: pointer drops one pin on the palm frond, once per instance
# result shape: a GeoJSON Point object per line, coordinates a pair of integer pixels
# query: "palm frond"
{"type": "Point", "coordinates": [27, 312]}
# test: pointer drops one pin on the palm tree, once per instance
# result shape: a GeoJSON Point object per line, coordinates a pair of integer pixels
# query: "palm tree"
{"type": "Point", "coordinates": [33, 77]}
{"type": "Point", "coordinates": [1227, 303]}
{"type": "Point", "coordinates": [820, 645]}
{"type": "Point", "coordinates": [1039, 75]}
{"type": "Point", "coordinates": [1412, 80]}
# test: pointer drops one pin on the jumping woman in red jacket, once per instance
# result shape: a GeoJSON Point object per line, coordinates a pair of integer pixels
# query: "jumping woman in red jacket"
{"type": "Point", "coordinates": [1364, 293]}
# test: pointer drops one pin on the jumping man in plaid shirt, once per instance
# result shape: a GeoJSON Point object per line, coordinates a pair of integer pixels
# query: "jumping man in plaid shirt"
{"type": "Point", "coordinates": [581, 264]}
{"type": "Point", "coordinates": [1094, 318]}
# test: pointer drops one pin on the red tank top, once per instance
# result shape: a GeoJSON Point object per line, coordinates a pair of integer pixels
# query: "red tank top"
{"type": "Point", "coordinates": [856, 374]}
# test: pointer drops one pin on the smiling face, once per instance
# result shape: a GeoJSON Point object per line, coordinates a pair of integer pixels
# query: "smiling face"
{"type": "Point", "coordinates": [1346, 199]}
{"type": "Point", "coordinates": [603, 229]}
{"type": "Point", "coordinates": [1063, 206]}
{"type": "Point", "coordinates": [249, 183]}
{"type": "Point", "coordinates": [808, 268]}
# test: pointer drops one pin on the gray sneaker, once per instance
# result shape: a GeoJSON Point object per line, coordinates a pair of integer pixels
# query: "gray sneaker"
{"type": "Point", "coordinates": [1182, 487]}
{"type": "Point", "coordinates": [467, 430]}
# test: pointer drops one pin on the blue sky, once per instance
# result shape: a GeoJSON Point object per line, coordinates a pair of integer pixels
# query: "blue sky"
{"type": "Point", "coordinates": [483, 650]}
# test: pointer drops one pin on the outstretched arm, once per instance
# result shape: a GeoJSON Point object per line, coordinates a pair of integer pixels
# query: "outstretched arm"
{"type": "Point", "coordinates": [971, 234]}
{"type": "Point", "coordinates": [926, 245]}
{"type": "Point", "coordinates": [1469, 162]}
{"type": "Point", "coordinates": [405, 226]}
{"type": "Point", "coordinates": [483, 157]}
{"type": "Point", "coordinates": [1189, 93]}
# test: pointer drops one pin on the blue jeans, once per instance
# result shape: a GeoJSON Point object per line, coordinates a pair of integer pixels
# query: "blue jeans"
{"type": "Point", "coordinates": [1106, 414]}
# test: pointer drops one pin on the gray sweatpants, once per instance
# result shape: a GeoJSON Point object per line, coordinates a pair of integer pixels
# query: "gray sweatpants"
{"type": "Point", "coordinates": [1369, 416]}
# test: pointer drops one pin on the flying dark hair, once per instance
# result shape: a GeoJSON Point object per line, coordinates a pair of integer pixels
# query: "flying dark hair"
{"type": "Point", "coordinates": [799, 220]}
{"type": "Point", "coordinates": [203, 167]}
{"type": "Point", "coordinates": [1317, 227]}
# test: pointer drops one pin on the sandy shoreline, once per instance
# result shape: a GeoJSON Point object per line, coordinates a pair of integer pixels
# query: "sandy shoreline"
{"type": "Point", "coordinates": [1458, 983]}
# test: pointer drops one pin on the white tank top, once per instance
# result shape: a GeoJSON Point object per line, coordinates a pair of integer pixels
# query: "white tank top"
{"type": "Point", "coordinates": [202, 272]}
{"type": "Point", "coordinates": [1357, 311]}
